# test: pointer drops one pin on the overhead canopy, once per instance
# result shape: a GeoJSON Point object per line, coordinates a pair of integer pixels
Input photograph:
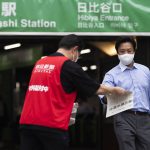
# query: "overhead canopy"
{"type": "Point", "coordinates": [83, 17]}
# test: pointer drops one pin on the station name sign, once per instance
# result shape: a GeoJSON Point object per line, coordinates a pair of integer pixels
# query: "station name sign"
{"type": "Point", "coordinates": [85, 17]}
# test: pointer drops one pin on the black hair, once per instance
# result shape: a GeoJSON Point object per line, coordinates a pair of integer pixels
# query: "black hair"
{"type": "Point", "coordinates": [70, 41]}
{"type": "Point", "coordinates": [125, 39]}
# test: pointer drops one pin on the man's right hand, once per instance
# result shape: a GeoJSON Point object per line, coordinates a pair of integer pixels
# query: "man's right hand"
{"type": "Point", "coordinates": [104, 90]}
{"type": "Point", "coordinates": [118, 90]}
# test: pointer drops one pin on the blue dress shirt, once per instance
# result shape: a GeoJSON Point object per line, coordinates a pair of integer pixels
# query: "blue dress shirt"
{"type": "Point", "coordinates": [135, 79]}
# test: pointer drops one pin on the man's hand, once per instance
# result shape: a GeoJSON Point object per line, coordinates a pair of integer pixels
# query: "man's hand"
{"type": "Point", "coordinates": [104, 90]}
{"type": "Point", "coordinates": [118, 90]}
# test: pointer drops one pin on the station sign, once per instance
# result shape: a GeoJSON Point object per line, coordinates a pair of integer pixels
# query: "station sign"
{"type": "Point", "coordinates": [84, 17]}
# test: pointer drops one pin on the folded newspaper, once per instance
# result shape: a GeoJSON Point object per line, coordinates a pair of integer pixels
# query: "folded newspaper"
{"type": "Point", "coordinates": [73, 114]}
{"type": "Point", "coordinates": [117, 104]}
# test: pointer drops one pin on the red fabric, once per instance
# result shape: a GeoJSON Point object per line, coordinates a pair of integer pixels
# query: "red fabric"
{"type": "Point", "coordinates": [46, 103]}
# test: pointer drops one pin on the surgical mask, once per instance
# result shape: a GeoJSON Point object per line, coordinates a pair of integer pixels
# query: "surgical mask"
{"type": "Point", "coordinates": [75, 59]}
{"type": "Point", "coordinates": [126, 59]}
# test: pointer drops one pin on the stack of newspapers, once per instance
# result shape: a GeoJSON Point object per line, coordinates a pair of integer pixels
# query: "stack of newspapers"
{"type": "Point", "coordinates": [73, 114]}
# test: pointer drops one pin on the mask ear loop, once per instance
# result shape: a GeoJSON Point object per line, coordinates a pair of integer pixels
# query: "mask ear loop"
{"type": "Point", "coordinates": [72, 57]}
{"type": "Point", "coordinates": [77, 58]}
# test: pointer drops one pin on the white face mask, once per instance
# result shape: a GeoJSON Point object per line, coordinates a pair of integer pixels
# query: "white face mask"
{"type": "Point", "coordinates": [75, 59]}
{"type": "Point", "coordinates": [126, 59]}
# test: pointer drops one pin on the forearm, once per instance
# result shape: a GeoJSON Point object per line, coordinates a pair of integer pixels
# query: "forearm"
{"type": "Point", "coordinates": [103, 90]}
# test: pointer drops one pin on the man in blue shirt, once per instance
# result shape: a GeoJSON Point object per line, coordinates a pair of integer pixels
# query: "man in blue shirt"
{"type": "Point", "coordinates": [132, 127]}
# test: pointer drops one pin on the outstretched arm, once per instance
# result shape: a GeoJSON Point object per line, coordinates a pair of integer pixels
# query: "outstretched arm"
{"type": "Point", "coordinates": [104, 90]}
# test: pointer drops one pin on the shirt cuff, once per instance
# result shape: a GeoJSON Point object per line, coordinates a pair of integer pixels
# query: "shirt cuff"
{"type": "Point", "coordinates": [101, 97]}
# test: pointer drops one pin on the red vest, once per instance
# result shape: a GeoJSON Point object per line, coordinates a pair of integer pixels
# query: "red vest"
{"type": "Point", "coordinates": [46, 103]}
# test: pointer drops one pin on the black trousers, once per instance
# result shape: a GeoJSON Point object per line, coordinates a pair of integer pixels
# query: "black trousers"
{"type": "Point", "coordinates": [132, 131]}
{"type": "Point", "coordinates": [42, 140]}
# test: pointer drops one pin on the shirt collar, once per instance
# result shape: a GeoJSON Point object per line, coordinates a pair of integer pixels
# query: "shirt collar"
{"type": "Point", "coordinates": [56, 54]}
{"type": "Point", "coordinates": [123, 67]}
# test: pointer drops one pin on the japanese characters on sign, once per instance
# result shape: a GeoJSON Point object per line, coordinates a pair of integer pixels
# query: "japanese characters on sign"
{"type": "Point", "coordinates": [8, 9]}
{"type": "Point", "coordinates": [99, 15]}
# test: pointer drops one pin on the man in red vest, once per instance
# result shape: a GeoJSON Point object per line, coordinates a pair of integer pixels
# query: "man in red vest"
{"type": "Point", "coordinates": [55, 82]}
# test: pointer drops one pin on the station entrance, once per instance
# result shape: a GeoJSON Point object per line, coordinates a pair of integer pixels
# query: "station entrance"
{"type": "Point", "coordinates": [92, 130]}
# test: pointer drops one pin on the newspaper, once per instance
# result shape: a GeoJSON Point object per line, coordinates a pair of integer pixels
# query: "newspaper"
{"type": "Point", "coordinates": [118, 103]}
{"type": "Point", "coordinates": [73, 114]}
